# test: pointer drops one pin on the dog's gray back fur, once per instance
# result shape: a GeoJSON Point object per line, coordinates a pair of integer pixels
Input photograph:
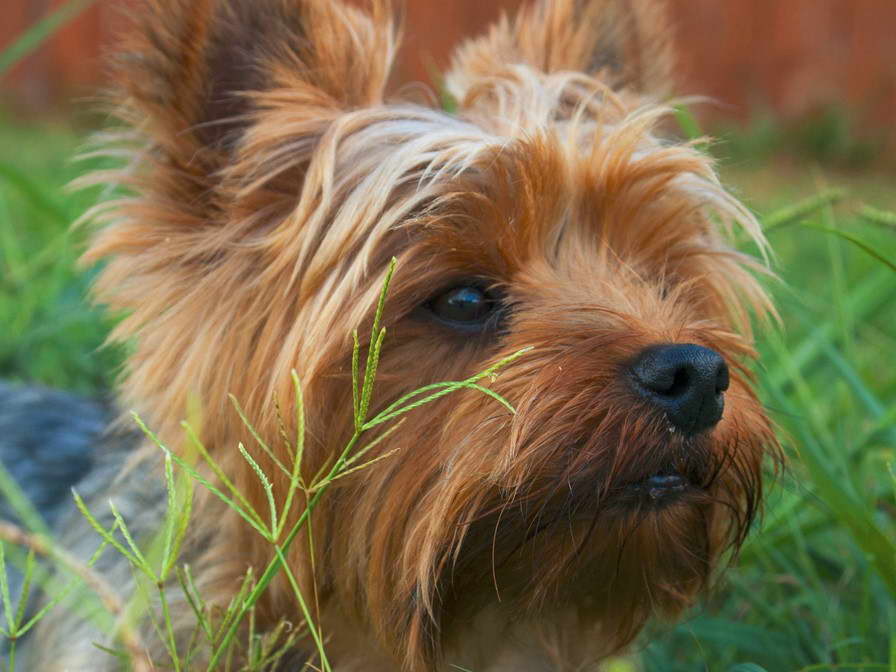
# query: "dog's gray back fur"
{"type": "Point", "coordinates": [52, 442]}
{"type": "Point", "coordinates": [46, 443]}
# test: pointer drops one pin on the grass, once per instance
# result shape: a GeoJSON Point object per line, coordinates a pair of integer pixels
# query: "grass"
{"type": "Point", "coordinates": [50, 333]}
{"type": "Point", "coordinates": [832, 135]}
{"type": "Point", "coordinates": [815, 586]}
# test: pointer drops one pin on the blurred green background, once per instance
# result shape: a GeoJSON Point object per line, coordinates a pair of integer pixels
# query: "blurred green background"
{"type": "Point", "coordinates": [815, 585]}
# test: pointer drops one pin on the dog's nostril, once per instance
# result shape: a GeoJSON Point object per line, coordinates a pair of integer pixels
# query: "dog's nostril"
{"type": "Point", "coordinates": [686, 381]}
{"type": "Point", "coordinates": [722, 377]}
{"type": "Point", "coordinates": [680, 383]}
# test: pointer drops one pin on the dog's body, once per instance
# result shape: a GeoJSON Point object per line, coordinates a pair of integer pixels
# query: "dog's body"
{"type": "Point", "coordinates": [273, 183]}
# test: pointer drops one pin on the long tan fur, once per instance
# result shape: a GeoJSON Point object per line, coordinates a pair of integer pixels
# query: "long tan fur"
{"type": "Point", "coordinates": [272, 179]}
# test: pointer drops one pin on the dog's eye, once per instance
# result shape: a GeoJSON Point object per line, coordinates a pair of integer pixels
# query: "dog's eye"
{"type": "Point", "coordinates": [466, 307]}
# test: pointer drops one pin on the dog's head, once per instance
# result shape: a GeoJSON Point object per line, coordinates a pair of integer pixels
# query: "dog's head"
{"type": "Point", "coordinates": [274, 181]}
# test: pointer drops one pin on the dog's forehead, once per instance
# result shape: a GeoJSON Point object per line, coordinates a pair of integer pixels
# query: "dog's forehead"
{"type": "Point", "coordinates": [562, 196]}
{"type": "Point", "coordinates": [455, 199]}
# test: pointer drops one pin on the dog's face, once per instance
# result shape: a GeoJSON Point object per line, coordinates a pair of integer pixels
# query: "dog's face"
{"type": "Point", "coordinates": [545, 213]}
{"type": "Point", "coordinates": [633, 458]}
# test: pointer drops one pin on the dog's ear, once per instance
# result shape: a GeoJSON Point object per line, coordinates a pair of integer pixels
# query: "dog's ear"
{"type": "Point", "coordinates": [624, 43]}
{"type": "Point", "coordinates": [225, 100]}
{"type": "Point", "coordinates": [189, 69]}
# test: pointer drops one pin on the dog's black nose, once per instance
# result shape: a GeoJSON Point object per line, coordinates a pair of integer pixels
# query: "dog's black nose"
{"type": "Point", "coordinates": [686, 381]}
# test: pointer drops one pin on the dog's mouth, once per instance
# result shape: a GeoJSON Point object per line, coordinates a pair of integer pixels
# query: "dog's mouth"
{"type": "Point", "coordinates": [665, 486]}
{"type": "Point", "coordinates": [662, 486]}
{"type": "Point", "coordinates": [677, 475]}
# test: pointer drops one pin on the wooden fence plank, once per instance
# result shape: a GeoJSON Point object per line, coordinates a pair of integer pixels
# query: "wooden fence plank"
{"type": "Point", "coordinates": [792, 56]}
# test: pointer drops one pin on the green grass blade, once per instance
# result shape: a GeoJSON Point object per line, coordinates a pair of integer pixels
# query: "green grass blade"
{"type": "Point", "coordinates": [858, 242]}
{"type": "Point", "coordinates": [27, 577]}
{"type": "Point", "coordinates": [137, 559]}
{"type": "Point", "coordinates": [40, 32]}
{"type": "Point", "coordinates": [793, 214]}
{"type": "Point", "coordinates": [295, 480]}
{"type": "Point", "coordinates": [107, 535]}
{"type": "Point", "coordinates": [688, 123]}
{"type": "Point", "coordinates": [313, 629]}
{"type": "Point", "coordinates": [4, 592]}
{"type": "Point", "coordinates": [34, 193]}
{"type": "Point", "coordinates": [877, 216]}
{"type": "Point", "coordinates": [255, 435]}
{"type": "Point", "coordinates": [247, 514]}
{"type": "Point", "coordinates": [268, 490]}
{"type": "Point", "coordinates": [20, 503]}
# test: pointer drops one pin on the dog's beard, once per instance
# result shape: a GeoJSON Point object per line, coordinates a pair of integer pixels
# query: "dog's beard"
{"type": "Point", "coordinates": [618, 528]}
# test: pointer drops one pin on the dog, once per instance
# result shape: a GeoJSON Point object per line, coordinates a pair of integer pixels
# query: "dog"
{"type": "Point", "coordinates": [272, 177]}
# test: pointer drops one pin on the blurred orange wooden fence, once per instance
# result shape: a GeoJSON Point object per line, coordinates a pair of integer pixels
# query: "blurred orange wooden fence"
{"type": "Point", "coordinates": [793, 56]}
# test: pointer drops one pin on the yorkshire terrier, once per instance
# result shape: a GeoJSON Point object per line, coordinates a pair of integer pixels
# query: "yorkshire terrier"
{"type": "Point", "coordinates": [272, 180]}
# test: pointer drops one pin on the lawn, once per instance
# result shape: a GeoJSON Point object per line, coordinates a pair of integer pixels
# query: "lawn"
{"type": "Point", "coordinates": [50, 333]}
{"type": "Point", "coordinates": [815, 585]}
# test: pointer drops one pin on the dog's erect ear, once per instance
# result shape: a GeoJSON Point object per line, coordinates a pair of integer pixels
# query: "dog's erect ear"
{"type": "Point", "coordinates": [624, 43]}
{"type": "Point", "coordinates": [188, 68]}
{"type": "Point", "coordinates": [226, 100]}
